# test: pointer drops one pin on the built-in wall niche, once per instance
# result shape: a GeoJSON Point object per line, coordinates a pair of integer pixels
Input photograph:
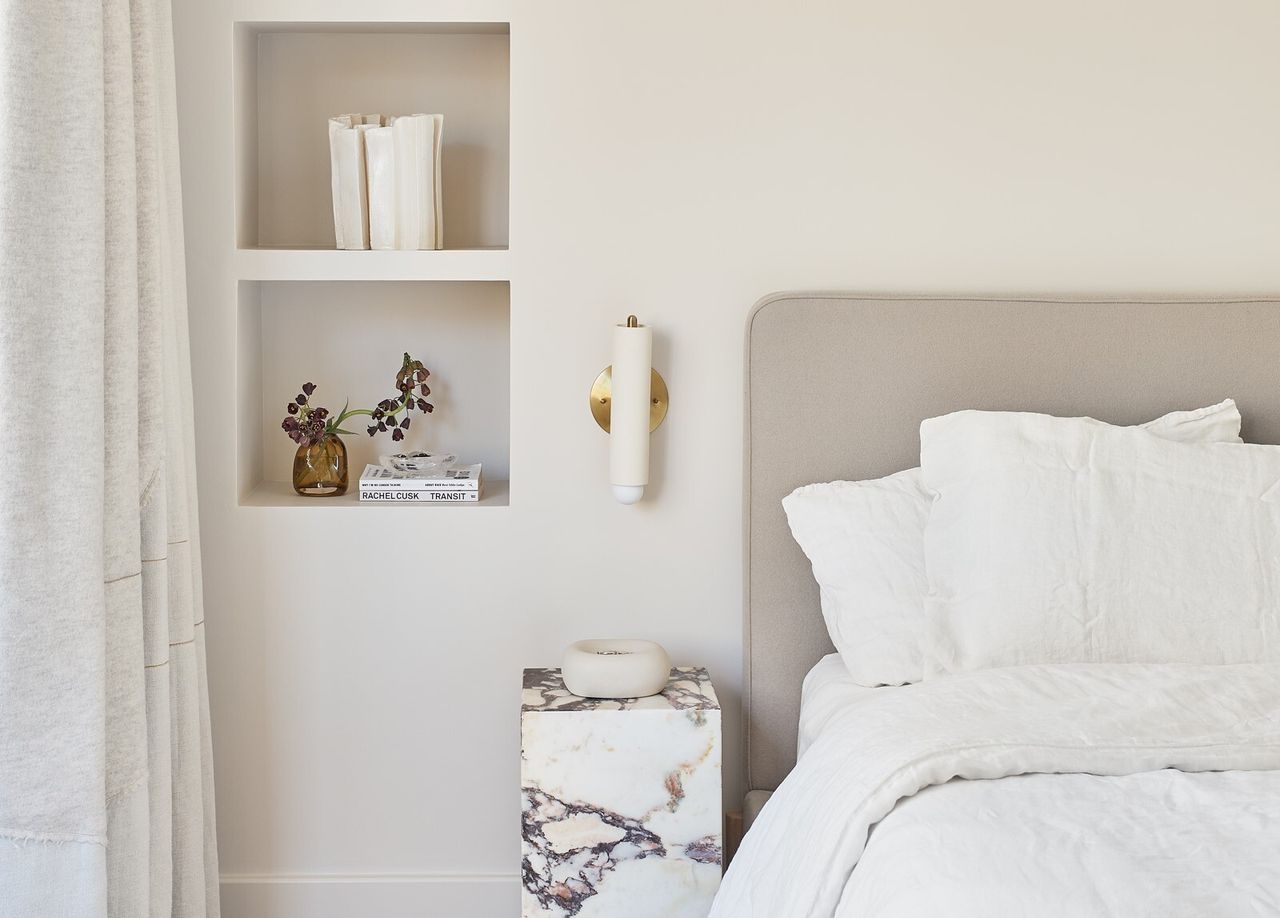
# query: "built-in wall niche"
{"type": "Point", "coordinates": [348, 338]}
{"type": "Point", "coordinates": [292, 76]}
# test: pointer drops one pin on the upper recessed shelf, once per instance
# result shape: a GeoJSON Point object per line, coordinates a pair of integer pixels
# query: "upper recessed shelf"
{"type": "Point", "coordinates": [292, 76]}
{"type": "Point", "coordinates": [372, 27]}
{"type": "Point", "coordinates": [329, 264]}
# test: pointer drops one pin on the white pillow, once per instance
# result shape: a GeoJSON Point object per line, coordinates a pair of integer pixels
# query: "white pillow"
{"type": "Point", "coordinates": [1066, 540]}
{"type": "Point", "coordinates": [865, 540]}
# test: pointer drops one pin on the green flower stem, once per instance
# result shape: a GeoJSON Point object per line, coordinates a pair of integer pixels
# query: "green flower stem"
{"type": "Point", "coordinates": [334, 426]}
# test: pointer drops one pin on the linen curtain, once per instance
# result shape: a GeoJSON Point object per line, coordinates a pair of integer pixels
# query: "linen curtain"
{"type": "Point", "coordinates": [106, 796]}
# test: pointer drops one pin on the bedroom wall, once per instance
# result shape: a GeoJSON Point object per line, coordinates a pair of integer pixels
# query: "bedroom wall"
{"type": "Point", "coordinates": [678, 160]}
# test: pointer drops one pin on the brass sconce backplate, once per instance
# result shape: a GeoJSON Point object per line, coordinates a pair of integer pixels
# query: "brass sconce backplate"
{"type": "Point", "coordinates": [602, 398]}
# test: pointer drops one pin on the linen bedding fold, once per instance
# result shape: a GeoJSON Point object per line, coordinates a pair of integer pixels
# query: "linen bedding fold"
{"type": "Point", "coordinates": [1094, 719]}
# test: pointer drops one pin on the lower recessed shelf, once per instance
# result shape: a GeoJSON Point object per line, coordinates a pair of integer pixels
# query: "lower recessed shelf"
{"type": "Point", "coordinates": [281, 494]}
{"type": "Point", "coordinates": [349, 339]}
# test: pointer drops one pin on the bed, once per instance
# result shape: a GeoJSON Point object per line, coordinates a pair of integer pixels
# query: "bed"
{"type": "Point", "coordinates": [1107, 790]}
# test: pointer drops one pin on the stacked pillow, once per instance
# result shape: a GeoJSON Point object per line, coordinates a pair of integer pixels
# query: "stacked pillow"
{"type": "Point", "coordinates": [1051, 540]}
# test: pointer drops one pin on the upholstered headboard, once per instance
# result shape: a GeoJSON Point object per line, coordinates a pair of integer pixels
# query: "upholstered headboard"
{"type": "Point", "coordinates": [837, 385]}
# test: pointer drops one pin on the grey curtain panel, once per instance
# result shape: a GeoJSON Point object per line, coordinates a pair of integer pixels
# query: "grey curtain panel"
{"type": "Point", "coordinates": [106, 796]}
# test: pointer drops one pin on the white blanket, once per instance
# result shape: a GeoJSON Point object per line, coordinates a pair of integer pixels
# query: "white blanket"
{"type": "Point", "coordinates": [827, 693]}
{"type": "Point", "coordinates": [1061, 722]}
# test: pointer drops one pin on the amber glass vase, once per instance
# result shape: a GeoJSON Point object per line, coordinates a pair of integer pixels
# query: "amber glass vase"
{"type": "Point", "coordinates": [320, 470]}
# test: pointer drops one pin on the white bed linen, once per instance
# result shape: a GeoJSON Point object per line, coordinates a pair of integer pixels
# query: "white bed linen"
{"type": "Point", "coordinates": [1063, 723]}
{"type": "Point", "coordinates": [865, 541]}
{"type": "Point", "coordinates": [1067, 540]}
{"type": "Point", "coordinates": [827, 691]}
{"type": "Point", "coordinates": [1164, 844]}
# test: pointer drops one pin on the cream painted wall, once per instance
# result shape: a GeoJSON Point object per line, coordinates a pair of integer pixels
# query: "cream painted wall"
{"type": "Point", "coordinates": [677, 160]}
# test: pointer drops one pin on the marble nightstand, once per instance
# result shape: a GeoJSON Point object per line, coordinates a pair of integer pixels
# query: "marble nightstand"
{"type": "Point", "coordinates": [620, 800]}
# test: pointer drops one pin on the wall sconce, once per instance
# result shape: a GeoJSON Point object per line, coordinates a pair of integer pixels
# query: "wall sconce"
{"type": "Point", "coordinates": [629, 400]}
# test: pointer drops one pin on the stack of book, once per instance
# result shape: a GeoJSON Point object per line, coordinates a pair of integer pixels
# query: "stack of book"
{"type": "Point", "coordinates": [389, 485]}
{"type": "Point", "coordinates": [386, 181]}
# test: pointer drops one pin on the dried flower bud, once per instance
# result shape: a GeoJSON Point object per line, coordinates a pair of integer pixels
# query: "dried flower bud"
{"type": "Point", "coordinates": [308, 388]}
{"type": "Point", "coordinates": [300, 399]}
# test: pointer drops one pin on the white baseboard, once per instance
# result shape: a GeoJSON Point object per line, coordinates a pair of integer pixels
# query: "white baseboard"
{"type": "Point", "coordinates": [337, 895]}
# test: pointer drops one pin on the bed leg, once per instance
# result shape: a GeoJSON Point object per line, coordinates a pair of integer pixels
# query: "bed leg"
{"type": "Point", "coordinates": [732, 835]}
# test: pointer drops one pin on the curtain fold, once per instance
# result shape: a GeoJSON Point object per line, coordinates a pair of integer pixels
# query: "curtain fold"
{"type": "Point", "coordinates": [106, 793]}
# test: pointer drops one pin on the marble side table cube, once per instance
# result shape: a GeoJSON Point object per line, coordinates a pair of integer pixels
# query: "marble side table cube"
{"type": "Point", "coordinates": [620, 800]}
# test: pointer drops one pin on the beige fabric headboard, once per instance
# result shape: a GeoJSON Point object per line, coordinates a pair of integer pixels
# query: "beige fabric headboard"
{"type": "Point", "coordinates": [837, 385]}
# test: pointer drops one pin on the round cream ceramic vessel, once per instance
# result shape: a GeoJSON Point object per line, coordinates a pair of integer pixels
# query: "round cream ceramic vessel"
{"type": "Point", "coordinates": [615, 668]}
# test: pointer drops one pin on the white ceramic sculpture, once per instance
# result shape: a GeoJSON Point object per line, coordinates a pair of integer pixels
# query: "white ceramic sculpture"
{"type": "Point", "coordinates": [350, 182]}
{"type": "Point", "coordinates": [417, 181]}
{"type": "Point", "coordinates": [615, 668]}
{"type": "Point", "coordinates": [380, 168]}
{"type": "Point", "coordinates": [386, 181]}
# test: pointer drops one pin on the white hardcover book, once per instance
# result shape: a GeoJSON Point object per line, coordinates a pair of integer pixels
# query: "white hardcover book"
{"type": "Point", "coordinates": [415, 486]}
{"type": "Point", "coordinates": [380, 165]}
{"type": "Point", "coordinates": [410, 484]}
{"type": "Point", "coordinates": [419, 497]}
{"type": "Point", "coordinates": [336, 123]}
{"type": "Point", "coordinates": [352, 187]}
{"type": "Point", "coordinates": [380, 477]}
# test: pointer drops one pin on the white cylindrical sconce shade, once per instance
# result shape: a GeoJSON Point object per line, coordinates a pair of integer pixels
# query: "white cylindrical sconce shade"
{"type": "Point", "coordinates": [629, 412]}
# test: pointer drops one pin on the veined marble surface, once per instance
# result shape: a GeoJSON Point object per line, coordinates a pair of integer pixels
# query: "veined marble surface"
{"type": "Point", "coordinates": [621, 800]}
{"type": "Point", "coordinates": [688, 689]}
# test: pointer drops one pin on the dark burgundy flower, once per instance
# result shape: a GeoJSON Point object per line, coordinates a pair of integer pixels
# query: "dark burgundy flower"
{"type": "Point", "coordinates": [300, 399]}
{"type": "Point", "coordinates": [308, 388]}
{"type": "Point", "coordinates": [405, 424]}
{"type": "Point", "coordinates": [292, 408]}
{"type": "Point", "coordinates": [397, 434]}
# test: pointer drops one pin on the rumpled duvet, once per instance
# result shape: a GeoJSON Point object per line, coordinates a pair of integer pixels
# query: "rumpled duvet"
{"type": "Point", "coordinates": [1124, 790]}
